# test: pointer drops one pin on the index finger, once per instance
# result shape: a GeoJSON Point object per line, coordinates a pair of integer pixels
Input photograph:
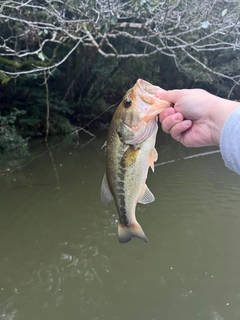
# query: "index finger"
{"type": "Point", "coordinates": [166, 113]}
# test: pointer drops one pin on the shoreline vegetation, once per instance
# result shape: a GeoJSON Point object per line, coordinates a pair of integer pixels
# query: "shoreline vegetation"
{"type": "Point", "coordinates": [61, 65]}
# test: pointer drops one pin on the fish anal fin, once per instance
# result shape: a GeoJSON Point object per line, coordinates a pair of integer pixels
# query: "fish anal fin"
{"type": "Point", "coordinates": [106, 195]}
{"type": "Point", "coordinates": [147, 196]}
{"type": "Point", "coordinates": [153, 158]}
{"type": "Point", "coordinates": [125, 234]}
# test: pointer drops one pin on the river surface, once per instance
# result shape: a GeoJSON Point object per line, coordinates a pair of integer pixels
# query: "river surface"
{"type": "Point", "coordinates": [59, 253]}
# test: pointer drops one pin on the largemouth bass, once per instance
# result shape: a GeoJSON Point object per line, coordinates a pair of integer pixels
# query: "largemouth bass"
{"type": "Point", "coordinates": [130, 150]}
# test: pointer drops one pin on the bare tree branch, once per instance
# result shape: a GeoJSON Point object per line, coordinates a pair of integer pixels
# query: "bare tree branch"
{"type": "Point", "coordinates": [186, 28]}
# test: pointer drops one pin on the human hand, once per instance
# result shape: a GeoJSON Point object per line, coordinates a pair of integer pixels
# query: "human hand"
{"type": "Point", "coordinates": [197, 117]}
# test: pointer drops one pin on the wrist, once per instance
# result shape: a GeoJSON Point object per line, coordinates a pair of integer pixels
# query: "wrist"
{"type": "Point", "coordinates": [221, 110]}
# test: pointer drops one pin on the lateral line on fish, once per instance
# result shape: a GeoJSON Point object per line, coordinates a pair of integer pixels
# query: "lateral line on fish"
{"type": "Point", "coordinates": [121, 190]}
{"type": "Point", "coordinates": [70, 134]}
{"type": "Point", "coordinates": [188, 157]}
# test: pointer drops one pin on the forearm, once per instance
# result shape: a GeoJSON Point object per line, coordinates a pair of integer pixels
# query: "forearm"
{"type": "Point", "coordinates": [219, 111]}
{"type": "Point", "coordinates": [230, 141]}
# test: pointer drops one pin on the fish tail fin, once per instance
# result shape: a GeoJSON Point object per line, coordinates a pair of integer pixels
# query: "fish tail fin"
{"type": "Point", "coordinates": [125, 234]}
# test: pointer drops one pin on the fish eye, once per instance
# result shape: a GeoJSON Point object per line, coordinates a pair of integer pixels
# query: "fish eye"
{"type": "Point", "coordinates": [127, 103]}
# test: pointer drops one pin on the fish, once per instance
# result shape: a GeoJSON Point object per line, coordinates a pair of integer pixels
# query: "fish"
{"type": "Point", "coordinates": [130, 151]}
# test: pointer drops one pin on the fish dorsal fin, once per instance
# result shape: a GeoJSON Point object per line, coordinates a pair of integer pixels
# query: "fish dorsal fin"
{"type": "Point", "coordinates": [106, 195]}
{"type": "Point", "coordinates": [147, 196]}
{"type": "Point", "coordinates": [104, 146]}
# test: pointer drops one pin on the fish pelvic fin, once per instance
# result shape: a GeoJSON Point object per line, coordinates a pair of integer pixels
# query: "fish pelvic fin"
{"type": "Point", "coordinates": [153, 158]}
{"type": "Point", "coordinates": [125, 234]}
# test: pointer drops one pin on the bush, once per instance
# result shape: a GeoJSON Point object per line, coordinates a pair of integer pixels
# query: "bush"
{"type": "Point", "coordinates": [9, 138]}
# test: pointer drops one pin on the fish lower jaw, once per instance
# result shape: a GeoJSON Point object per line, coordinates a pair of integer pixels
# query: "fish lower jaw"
{"type": "Point", "coordinates": [133, 127]}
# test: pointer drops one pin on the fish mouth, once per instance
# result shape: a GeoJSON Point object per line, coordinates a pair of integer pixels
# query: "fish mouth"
{"type": "Point", "coordinates": [147, 102]}
{"type": "Point", "coordinates": [148, 87]}
{"type": "Point", "coordinates": [148, 107]}
{"type": "Point", "coordinates": [134, 127]}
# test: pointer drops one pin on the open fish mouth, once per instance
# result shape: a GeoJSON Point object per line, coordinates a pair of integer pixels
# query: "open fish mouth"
{"type": "Point", "coordinates": [147, 102]}
{"type": "Point", "coordinates": [148, 87]}
{"type": "Point", "coordinates": [148, 107]}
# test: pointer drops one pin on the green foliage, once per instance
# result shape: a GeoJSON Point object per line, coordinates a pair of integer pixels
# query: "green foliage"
{"type": "Point", "coordinates": [9, 138]}
{"type": "Point", "coordinates": [3, 78]}
{"type": "Point", "coordinates": [60, 125]}
{"type": "Point", "coordinates": [34, 124]}
{"type": "Point", "coordinates": [88, 83]}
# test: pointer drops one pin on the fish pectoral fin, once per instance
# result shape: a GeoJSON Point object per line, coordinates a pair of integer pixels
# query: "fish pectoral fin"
{"type": "Point", "coordinates": [153, 158]}
{"type": "Point", "coordinates": [106, 195]}
{"type": "Point", "coordinates": [129, 156]}
{"type": "Point", "coordinates": [147, 196]}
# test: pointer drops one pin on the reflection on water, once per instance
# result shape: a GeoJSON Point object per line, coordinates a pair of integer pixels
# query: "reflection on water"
{"type": "Point", "coordinates": [60, 257]}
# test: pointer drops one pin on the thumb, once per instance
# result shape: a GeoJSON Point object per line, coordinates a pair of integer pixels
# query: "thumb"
{"type": "Point", "coordinates": [170, 95]}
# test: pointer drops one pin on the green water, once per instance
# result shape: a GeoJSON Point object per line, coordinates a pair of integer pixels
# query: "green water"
{"type": "Point", "coordinates": [59, 253]}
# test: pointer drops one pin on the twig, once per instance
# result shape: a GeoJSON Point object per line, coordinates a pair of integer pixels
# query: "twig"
{"type": "Point", "coordinates": [47, 105]}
